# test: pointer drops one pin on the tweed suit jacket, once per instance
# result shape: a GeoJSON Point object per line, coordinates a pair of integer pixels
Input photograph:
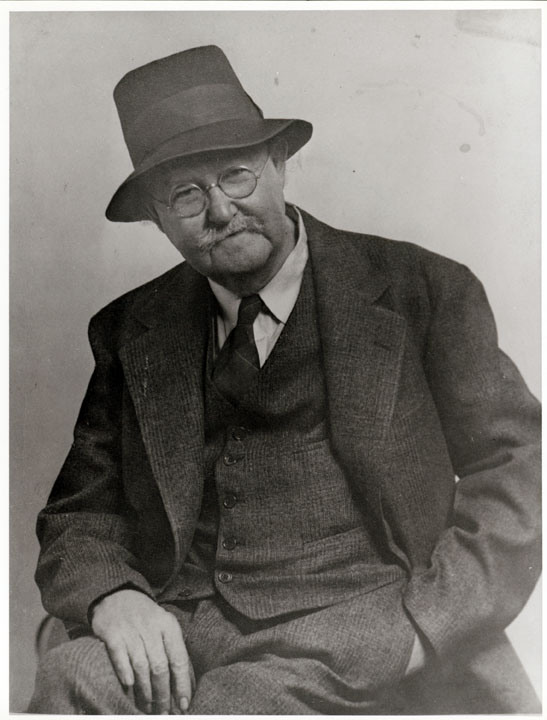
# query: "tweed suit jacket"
{"type": "Point", "coordinates": [432, 422]}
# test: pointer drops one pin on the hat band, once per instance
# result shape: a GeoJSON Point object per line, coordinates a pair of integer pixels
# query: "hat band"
{"type": "Point", "coordinates": [184, 111]}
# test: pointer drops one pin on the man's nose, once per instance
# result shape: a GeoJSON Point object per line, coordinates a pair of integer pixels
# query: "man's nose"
{"type": "Point", "coordinates": [220, 209]}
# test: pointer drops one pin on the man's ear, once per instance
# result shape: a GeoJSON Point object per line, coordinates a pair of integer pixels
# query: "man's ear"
{"type": "Point", "coordinates": [153, 216]}
{"type": "Point", "coordinates": [149, 211]}
{"type": "Point", "coordinates": [278, 150]}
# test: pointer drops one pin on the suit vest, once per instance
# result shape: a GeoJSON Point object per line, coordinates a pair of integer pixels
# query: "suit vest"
{"type": "Point", "coordinates": [280, 528]}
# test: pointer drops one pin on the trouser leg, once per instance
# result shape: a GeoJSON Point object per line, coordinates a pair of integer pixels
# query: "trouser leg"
{"type": "Point", "coordinates": [344, 659]}
{"type": "Point", "coordinates": [269, 686]}
{"type": "Point", "coordinates": [77, 678]}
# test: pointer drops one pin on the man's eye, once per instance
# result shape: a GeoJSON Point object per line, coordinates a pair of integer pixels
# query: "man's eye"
{"type": "Point", "coordinates": [236, 176]}
{"type": "Point", "coordinates": [185, 194]}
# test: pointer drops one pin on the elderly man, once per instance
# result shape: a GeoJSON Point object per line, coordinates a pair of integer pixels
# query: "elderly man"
{"type": "Point", "coordinates": [304, 479]}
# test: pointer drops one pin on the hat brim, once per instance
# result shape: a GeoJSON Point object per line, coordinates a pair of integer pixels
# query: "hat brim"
{"type": "Point", "coordinates": [226, 135]}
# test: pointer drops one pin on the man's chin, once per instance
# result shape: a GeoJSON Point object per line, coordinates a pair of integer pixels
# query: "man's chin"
{"type": "Point", "coordinates": [240, 256]}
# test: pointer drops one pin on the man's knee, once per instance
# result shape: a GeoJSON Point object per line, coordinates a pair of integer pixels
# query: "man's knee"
{"type": "Point", "coordinates": [265, 686]}
{"type": "Point", "coordinates": [71, 674]}
{"type": "Point", "coordinates": [77, 659]}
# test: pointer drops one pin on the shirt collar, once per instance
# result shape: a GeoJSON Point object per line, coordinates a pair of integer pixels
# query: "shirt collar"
{"type": "Point", "coordinates": [281, 292]}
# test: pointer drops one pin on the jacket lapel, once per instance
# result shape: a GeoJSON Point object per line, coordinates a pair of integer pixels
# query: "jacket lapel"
{"type": "Point", "coordinates": [163, 366]}
{"type": "Point", "coordinates": [362, 341]}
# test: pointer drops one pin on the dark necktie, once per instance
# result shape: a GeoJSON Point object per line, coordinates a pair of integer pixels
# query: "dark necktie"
{"type": "Point", "coordinates": [238, 364]}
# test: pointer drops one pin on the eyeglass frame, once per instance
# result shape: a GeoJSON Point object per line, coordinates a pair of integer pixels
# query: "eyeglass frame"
{"type": "Point", "coordinates": [205, 190]}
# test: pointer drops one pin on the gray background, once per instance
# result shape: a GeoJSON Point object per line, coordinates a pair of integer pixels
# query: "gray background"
{"type": "Point", "coordinates": [426, 129]}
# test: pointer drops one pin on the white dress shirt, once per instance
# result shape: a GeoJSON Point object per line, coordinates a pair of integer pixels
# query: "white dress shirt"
{"type": "Point", "coordinates": [279, 296]}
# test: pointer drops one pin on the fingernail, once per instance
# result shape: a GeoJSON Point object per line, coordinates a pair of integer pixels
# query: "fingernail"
{"type": "Point", "coordinates": [183, 704]}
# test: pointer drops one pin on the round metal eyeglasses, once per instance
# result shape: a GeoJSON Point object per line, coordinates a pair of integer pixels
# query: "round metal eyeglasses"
{"type": "Point", "coordinates": [190, 200]}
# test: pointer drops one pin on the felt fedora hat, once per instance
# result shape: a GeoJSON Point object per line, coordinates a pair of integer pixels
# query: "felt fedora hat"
{"type": "Point", "coordinates": [184, 104]}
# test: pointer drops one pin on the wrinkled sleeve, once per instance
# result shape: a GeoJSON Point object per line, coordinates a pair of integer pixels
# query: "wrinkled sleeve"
{"type": "Point", "coordinates": [85, 534]}
{"type": "Point", "coordinates": [487, 562]}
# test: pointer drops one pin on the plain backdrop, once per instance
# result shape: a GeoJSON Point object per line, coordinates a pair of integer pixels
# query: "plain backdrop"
{"type": "Point", "coordinates": [427, 129]}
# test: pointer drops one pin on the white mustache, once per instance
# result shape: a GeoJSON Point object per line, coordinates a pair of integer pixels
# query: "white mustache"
{"type": "Point", "coordinates": [237, 224]}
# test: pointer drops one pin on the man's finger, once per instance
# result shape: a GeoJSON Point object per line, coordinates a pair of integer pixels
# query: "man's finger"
{"type": "Point", "coordinates": [160, 679]}
{"type": "Point", "coordinates": [119, 658]}
{"type": "Point", "coordinates": [141, 668]}
{"type": "Point", "coordinates": [179, 665]}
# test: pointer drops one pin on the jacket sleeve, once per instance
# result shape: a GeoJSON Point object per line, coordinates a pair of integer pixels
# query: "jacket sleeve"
{"type": "Point", "coordinates": [85, 533]}
{"type": "Point", "coordinates": [487, 562]}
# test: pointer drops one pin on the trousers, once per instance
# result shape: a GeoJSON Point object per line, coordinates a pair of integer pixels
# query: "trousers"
{"type": "Point", "coordinates": [343, 659]}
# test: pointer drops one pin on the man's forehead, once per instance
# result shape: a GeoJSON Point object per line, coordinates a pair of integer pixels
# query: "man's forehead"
{"type": "Point", "coordinates": [193, 166]}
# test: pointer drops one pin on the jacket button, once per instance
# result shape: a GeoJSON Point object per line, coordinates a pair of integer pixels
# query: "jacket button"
{"type": "Point", "coordinates": [229, 543]}
{"type": "Point", "coordinates": [229, 460]}
{"type": "Point", "coordinates": [230, 500]}
{"type": "Point", "coordinates": [240, 433]}
{"type": "Point", "coordinates": [225, 577]}
{"type": "Point", "coordinates": [185, 592]}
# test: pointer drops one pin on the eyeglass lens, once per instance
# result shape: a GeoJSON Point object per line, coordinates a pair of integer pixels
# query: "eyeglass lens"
{"type": "Point", "coordinates": [236, 183]}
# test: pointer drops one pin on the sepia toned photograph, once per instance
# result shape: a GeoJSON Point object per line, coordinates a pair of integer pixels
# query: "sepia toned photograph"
{"type": "Point", "coordinates": [275, 351]}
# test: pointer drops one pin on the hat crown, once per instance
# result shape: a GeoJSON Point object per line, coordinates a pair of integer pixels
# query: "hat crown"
{"type": "Point", "coordinates": [177, 94]}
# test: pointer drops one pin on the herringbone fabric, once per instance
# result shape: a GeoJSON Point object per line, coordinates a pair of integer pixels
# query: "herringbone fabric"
{"type": "Point", "coordinates": [238, 364]}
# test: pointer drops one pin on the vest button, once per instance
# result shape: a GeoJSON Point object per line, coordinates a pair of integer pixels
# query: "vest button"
{"type": "Point", "coordinates": [229, 460]}
{"type": "Point", "coordinates": [229, 543]}
{"type": "Point", "coordinates": [230, 500]}
{"type": "Point", "coordinates": [240, 433]}
{"type": "Point", "coordinates": [225, 577]}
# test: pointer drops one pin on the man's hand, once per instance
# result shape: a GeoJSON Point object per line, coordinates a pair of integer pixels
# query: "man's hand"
{"type": "Point", "coordinates": [147, 650]}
